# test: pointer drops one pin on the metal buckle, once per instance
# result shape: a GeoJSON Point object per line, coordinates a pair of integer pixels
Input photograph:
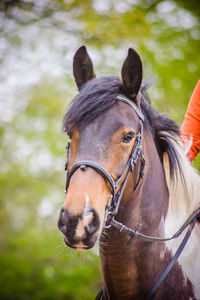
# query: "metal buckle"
{"type": "Point", "coordinates": [135, 235]}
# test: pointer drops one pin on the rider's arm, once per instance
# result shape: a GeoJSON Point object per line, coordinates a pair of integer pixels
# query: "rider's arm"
{"type": "Point", "coordinates": [191, 124]}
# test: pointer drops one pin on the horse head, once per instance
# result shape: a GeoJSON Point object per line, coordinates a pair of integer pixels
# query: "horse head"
{"type": "Point", "coordinates": [102, 131]}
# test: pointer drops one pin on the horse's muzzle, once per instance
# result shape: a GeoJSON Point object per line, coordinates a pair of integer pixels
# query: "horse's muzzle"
{"type": "Point", "coordinates": [80, 231]}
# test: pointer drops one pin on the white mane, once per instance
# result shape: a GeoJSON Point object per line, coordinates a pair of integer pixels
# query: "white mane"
{"type": "Point", "coordinates": [184, 198]}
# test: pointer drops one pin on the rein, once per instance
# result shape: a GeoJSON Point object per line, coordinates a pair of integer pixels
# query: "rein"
{"type": "Point", "coordinates": [191, 221]}
{"type": "Point", "coordinates": [136, 234]}
{"type": "Point", "coordinates": [116, 196]}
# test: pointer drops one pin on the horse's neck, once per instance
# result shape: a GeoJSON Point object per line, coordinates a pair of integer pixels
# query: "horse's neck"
{"type": "Point", "coordinates": [129, 271]}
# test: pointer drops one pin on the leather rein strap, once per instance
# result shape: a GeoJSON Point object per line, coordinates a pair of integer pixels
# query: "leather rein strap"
{"type": "Point", "coordinates": [190, 222]}
{"type": "Point", "coordinates": [136, 234]}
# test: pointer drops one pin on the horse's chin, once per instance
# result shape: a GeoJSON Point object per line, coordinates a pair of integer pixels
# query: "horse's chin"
{"type": "Point", "coordinates": [80, 246]}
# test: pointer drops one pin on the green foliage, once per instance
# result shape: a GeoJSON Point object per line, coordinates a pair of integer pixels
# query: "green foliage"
{"type": "Point", "coordinates": [32, 267]}
{"type": "Point", "coordinates": [34, 262]}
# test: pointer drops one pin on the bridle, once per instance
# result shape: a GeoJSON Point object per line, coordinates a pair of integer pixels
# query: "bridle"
{"type": "Point", "coordinates": [117, 193]}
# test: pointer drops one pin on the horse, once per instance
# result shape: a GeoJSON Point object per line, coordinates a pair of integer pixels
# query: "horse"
{"type": "Point", "coordinates": [130, 187]}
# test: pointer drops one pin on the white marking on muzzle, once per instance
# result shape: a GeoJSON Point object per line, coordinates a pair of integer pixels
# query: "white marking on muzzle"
{"type": "Point", "coordinates": [85, 220]}
{"type": "Point", "coordinates": [86, 208]}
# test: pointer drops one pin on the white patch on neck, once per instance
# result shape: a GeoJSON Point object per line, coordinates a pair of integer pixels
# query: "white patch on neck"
{"type": "Point", "coordinates": [181, 205]}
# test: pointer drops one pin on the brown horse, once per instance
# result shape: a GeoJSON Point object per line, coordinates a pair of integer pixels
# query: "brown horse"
{"type": "Point", "coordinates": [113, 130]}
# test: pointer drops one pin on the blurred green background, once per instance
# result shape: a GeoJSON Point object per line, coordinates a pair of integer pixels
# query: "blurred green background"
{"type": "Point", "coordinates": [37, 43]}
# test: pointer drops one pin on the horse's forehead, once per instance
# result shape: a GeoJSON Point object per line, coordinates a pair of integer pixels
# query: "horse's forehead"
{"type": "Point", "coordinates": [109, 122]}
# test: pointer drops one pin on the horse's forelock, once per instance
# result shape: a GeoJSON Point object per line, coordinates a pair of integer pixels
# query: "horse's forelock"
{"type": "Point", "coordinates": [94, 98]}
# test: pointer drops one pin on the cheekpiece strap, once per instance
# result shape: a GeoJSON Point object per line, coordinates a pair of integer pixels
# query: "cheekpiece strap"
{"type": "Point", "coordinates": [67, 154]}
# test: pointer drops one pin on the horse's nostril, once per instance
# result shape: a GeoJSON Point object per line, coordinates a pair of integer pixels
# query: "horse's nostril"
{"type": "Point", "coordinates": [63, 220]}
{"type": "Point", "coordinates": [62, 227]}
{"type": "Point", "coordinates": [93, 226]}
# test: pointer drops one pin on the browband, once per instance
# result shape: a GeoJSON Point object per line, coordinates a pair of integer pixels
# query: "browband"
{"type": "Point", "coordinates": [132, 104]}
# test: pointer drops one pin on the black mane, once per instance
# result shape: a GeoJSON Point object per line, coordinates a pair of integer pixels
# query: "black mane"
{"type": "Point", "coordinates": [99, 95]}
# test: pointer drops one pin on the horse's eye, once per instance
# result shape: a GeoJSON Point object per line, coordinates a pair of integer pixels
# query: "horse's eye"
{"type": "Point", "coordinates": [128, 137]}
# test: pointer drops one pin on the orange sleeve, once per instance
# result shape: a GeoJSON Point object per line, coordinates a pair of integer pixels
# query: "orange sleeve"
{"type": "Point", "coordinates": [191, 123]}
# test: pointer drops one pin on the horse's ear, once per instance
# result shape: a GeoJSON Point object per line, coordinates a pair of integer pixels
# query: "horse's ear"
{"type": "Point", "coordinates": [82, 67]}
{"type": "Point", "coordinates": [132, 74]}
